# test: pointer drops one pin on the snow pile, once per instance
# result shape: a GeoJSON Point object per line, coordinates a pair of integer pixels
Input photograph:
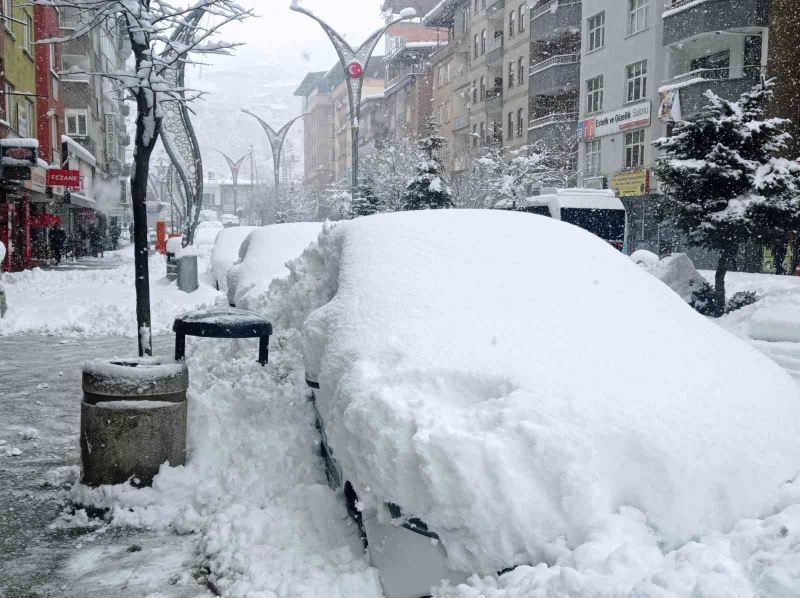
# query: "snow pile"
{"type": "Point", "coordinates": [94, 302]}
{"type": "Point", "coordinates": [226, 252]}
{"type": "Point", "coordinates": [253, 491]}
{"type": "Point", "coordinates": [206, 233]}
{"type": "Point", "coordinates": [507, 410]}
{"type": "Point", "coordinates": [678, 272]}
{"type": "Point", "coordinates": [644, 258]}
{"type": "Point", "coordinates": [174, 245]}
{"type": "Point", "coordinates": [263, 256]}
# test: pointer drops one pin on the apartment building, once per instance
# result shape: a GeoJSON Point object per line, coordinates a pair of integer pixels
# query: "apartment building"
{"type": "Point", "coordinates": [554, 79]}
{"type": "Point", "coordinates": [409, 89]}
{"type": "Point", "coordinates": [374, 129]}
{"type": "Point", "coordinates": [94, 119]}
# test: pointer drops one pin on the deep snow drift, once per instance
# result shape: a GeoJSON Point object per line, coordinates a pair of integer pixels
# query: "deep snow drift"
{"type": "Point", "coordinates": [94, 302]}
{"type": "Point", "coordinates": [514, 402]}
{"type": "Point", "coordinates": [226, 252]}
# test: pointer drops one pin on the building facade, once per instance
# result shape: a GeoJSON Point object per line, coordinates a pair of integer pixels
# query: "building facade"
{"type": "Point", "coordinates": [409, 89]}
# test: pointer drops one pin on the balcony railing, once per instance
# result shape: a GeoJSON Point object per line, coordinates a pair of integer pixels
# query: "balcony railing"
{"type": "Point", "coordinates": [550, 6]}
{"type": "Point", "coordinates": [461, 122]}
{"type": "Point", "coordinates": [494, 44]}
{"type": "Point", "coordinates": [555, 60]}
{"type": "Point", "coordinates": [718, 74]}
{"type": "Point", "coordinates": [552, 119]}
{"type": "Point", "coordinates": [670, 4]}
{"type": "Point", "coordinates": [495, 7]}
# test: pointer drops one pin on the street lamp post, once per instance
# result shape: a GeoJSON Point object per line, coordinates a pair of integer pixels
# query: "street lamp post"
{"type": "Point", "coordinates": [354, 63]}
{"type": "Point", "coordinates": [235, 166]}
{"type": "Point", "coordinates": [276, 139]}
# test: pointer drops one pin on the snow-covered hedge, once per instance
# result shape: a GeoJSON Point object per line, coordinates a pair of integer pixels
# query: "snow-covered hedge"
{"type": "Point", "coordinates": [517, 403]}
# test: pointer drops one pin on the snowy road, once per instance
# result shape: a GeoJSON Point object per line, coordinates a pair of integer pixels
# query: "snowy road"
{"type": "Point", "coordinates": [39, 398]}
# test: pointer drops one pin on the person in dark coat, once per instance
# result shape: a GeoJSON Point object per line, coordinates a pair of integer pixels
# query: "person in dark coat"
{"type": "Point", "coordinates": [57, 240]}
{"type": "Point", "coordinates": [114, 232]}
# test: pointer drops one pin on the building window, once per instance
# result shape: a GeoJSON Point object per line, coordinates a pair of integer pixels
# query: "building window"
{"type": "Point", "coordinates": [520, 71]}
{"type": "Point", "coordinates": [476, 6]}
{"type": "Point", "coordinates": [51, 57]}
{"type": "Point", "coordinates": [24, 112]}
{"type": "Point", "coordinates": [521, 18]}
{"type": "Point", "coordinates": [520, 123]}
{"type": "Point", "coordinates": [596, 26]}
{"type": "Point", "coordinates": [27, 34]}
{"type": "Point", "coordinates": [483, 132]}
{"type": "Point", "coordinates": [594, 94]}
{"type": "Point", "coordinates": [8, 10]}
{"type": "Point", "coordinates": [636, 81]}
{"type": "Point", "coordinates": [475, 46]}
{"type": "Point", "coordinates": [511, 74]}
{"type": "Point", "coordinates": [593, 148]}
{"type": "Point", "coordinates": [7, 105]}
{"type": "Point", "coordinates": [511, 125]}
{"type": "Point", "coordinates": [474, 92]}
{"type": "Point", "coordinates": [483, 89]}
{"type": "Point", "coordinates": [474, 135]}
{"type": "Point", "coordinates": [512, 18]}
{"type": "Point", "coordinates": [466, 20]}
{"type": "Point", "coordinates": [77, 122]}
{"type": "Point", "coordinates": [447, 73]}
{"type": "Point", "coordinates": [634, 149]}
{"type": "Point", "coordinates": [638, 15]}
{"type": "Point", "coordinates": [483, 42]}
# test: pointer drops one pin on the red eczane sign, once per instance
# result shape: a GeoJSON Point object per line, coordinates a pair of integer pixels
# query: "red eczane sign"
{"type": "Point", "coordinates": [64, 178]}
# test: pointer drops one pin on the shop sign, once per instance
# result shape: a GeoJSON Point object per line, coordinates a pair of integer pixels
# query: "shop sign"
{"type": "Point", "coordinates": [18, 153]}
{"type": "Point", "coordinates": [631, 183]}
{"type": "Point", "coordinates": [630, 117]}
{"type": "Point", "coordinates": [64, 178]}
{"type": "Point", "coordinates": [38, 180]}
{"type": "Point", "coordinates": [45, 220]}
{"type": "Point", "coordinates": [85, 216]}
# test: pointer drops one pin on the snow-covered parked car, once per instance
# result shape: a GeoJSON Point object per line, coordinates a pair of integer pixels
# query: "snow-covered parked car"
{"type": "Point", "coordinates": [484, 406]}
{"type": "Point", "coordinates": [226, 252]}
{"type": "Point", "coordinates": [262, 258]}
{"type": "Point", "coordinates": [205, 235]}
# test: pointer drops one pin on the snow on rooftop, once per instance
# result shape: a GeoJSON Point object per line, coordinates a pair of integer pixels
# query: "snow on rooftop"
{"type": "Point", "coordinates": [27, 142]}
{"type": "Point", "coordinates": [516, 402]}
{"type": "Point", "coordinates": [77, 149]}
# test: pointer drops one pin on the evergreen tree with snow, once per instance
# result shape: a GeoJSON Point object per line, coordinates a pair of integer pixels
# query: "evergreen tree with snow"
{"type": "Point", "coordinates": [365, 201]}
{"type": "Point", "coordinates": [428, 190]}
{"type": "Point", "coordinates": [721, 177]}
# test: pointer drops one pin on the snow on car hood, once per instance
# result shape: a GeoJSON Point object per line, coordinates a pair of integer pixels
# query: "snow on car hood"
{"type": "Point", "coordinates": [514, 382]}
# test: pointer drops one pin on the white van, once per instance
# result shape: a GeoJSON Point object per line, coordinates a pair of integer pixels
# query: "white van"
{"type": "Point", "coordinates": [598, 211]}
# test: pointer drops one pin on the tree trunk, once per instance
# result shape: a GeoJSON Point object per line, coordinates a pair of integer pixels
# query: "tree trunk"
{"type": "Point", "coordinates": [795, 253]}
{"type": "Point", "coordinates": [779, 255]}
{"type": "Point", "coordinates": [725, 258]}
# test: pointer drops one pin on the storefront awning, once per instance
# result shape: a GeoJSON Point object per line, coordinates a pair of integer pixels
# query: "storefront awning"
{"type": "Point", "coordinates": [81, 201]}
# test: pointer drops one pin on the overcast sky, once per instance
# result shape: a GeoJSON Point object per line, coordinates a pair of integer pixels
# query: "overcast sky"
{"type": "Point", "coordinates": [281, 35]}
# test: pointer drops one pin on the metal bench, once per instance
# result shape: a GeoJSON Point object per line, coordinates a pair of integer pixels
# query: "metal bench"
{"type": "Point", "coordinates": [222, 322]}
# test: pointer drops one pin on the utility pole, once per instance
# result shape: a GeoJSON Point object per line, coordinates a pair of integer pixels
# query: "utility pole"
{"type": "Point", "coordinates": [235, 165]}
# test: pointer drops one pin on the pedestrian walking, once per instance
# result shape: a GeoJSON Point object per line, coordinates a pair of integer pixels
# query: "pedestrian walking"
{"type": "Point", "coordinates": [115, 232]}
{"type": "Point", "coordinates": [58, 239]}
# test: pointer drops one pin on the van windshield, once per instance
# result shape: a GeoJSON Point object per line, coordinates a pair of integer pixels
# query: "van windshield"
{"type": "Point", "coordinates": [606, 224]}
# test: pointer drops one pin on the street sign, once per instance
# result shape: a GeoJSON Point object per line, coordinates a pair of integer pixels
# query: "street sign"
{"type": "Point", "coordinates": [64, 178]}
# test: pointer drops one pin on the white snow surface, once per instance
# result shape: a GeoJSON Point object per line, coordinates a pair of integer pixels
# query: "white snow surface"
{"type": "Point", "coordinates": [94, 302]}
{"type": "Point", "coordinates": [507, 410]}
{"type": "Point", "coordinates": [677, 272]}
{"type": "Point", "coordinates": [226, 252]}
{"type": "Point", "coordinates": [644, 258]}
{"type": "Point", "coordinates": [262, 258]}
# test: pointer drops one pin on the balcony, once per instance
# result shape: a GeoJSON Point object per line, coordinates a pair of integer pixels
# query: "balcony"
{"type": "Point", "coordinates": [460, 123]}
{"type": "Point", "coordinates": [494, 101]}
{"type": "Point", "coordinates": [728, 83]}
{"type": "Point", "coordinates": [550, 19]}
{"type": "Point", "coordinates": [555, 75]}
{"type": "Point", "coordinates": [494, 54]}
{"type": "Point", "coordinates": [684, 19]}
{"type": "Point", "coordinates": [553, 129]}
{"type": "Point", "coordinates": [495, 9]}
{"type": "Point", "coordinates": [401, 77]}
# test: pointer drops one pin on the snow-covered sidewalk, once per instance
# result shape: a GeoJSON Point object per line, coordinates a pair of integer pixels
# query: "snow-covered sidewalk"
{"type": "Point", "coordinates": [94, 297]}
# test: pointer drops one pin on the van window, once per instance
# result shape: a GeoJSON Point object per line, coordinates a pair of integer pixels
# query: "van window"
{"type": "Point", "coordinates": [541, 210]}
{"type": "Point", "coordinates": [606, 224]}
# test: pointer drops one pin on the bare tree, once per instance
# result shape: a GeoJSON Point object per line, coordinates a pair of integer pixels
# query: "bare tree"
{"type": "Point", "coordinates": [150, 26]}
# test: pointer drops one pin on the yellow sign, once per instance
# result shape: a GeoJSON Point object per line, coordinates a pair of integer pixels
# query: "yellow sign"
{"type": "Point", "coordinates": [631, 183]}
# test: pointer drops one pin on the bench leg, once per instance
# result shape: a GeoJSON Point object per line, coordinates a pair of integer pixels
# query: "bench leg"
{"type": "Point", "coordinates": [263, 350]}
{"type": "Point", "coordinates": [180, 346]}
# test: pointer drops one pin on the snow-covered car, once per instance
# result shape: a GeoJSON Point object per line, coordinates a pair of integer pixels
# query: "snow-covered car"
{"type": "Point", "coordinates": [205, 234]}
{"type": "Point", "coordinates": [226, 252]}
{"type": "Point", "coordinates": [262, 258]}
{"type": "Point", "coordinates": [482, 404]}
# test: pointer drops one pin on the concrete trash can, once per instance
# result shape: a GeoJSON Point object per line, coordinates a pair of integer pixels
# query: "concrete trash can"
{"type": "Point", "coordinates": [133, 419]}
{"type": "Point", "coordinates": [187, 273]}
